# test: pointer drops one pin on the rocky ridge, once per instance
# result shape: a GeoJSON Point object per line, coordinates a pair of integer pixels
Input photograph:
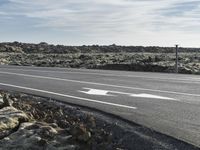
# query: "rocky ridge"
{"type": "Point", "coordinates": [112, 57]}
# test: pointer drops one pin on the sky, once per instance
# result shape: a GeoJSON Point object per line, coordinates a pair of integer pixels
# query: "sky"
{"type": "Point", "coordinates": [102, 22]}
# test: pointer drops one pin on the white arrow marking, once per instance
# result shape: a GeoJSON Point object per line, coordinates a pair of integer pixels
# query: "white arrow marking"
{"type": "Point", "coordinates": [97, 92]}
{"type": "Point", "coordinates": [105, 93]}
{"type": "Point", "coordinates": [143, 95]}
{"type": "Point", "coordinates": [68, 96]}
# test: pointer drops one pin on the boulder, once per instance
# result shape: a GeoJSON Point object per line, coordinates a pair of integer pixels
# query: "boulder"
{"type": "Point", "coordinates": [35, 136]}
{"type": "Point", "coordinates": [10, 119]}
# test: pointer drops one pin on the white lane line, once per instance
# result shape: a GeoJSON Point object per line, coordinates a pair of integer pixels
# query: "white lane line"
{"type": "Point", "coordinates": [189, 79]}
{"type": "Point", "coordinates": [68, 96]}
{"type": "Point", "coordinates": [101, 84]}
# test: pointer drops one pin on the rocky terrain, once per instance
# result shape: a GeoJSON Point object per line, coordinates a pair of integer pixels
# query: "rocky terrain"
{"type": "Point", "coordinates": [154, 59]}
{"type": "Point", "coordinates": [30, 122]}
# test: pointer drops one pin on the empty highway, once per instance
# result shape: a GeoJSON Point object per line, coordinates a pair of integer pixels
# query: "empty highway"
{"type": "Point", "coordinates": [168, 103]}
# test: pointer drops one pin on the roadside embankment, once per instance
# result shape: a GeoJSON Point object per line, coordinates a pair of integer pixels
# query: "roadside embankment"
{"type": "Point", "coordinates": [31, 122]}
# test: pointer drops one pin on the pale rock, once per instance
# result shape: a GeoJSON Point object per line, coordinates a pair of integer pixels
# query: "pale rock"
{"type": "Point", "coordinates": [10, 118]}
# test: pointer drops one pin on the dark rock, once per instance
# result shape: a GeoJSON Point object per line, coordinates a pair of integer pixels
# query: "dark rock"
{"type": "Point", "coordinates": [7, 101]}
{"type": "Point", "coordinates": [84, 137]}
{"type": "Point", "coordinates": [1, 102]}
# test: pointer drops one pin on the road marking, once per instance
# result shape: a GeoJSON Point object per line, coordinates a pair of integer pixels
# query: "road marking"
{"type": "Point", "coordinates": [69, 96]}
{"type": "Point", "coordinates": [144, 95]}
{"type": "Point", "coordinates": [102, 84]}
{"type": "Point", "coordinates": [92, 91]}
{"type": "Point", "coordinates": [96, 92]}
{"type": "Point", "coordinates": [192, 79]}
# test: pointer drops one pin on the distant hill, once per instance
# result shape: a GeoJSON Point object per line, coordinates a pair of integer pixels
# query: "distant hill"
{"type": "Point", "coordinates": [61, 49]}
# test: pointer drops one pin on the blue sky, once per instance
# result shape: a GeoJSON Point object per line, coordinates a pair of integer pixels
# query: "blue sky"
{"type": "Point", "coordinates": [104, 22]}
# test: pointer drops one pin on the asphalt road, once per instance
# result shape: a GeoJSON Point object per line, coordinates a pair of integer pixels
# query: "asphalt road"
{"type": "Point", "coordinates": [167, 103]}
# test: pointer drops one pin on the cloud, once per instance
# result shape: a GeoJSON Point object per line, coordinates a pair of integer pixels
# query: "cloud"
{"type": "Point", "coordinates": [106, 18]}
{"type": "Point", "coordinates": [181, 8]}
{"type": "Point", "coordinates": [2, 13]}
{"type": "Point", "coordinates": [180, 16]}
